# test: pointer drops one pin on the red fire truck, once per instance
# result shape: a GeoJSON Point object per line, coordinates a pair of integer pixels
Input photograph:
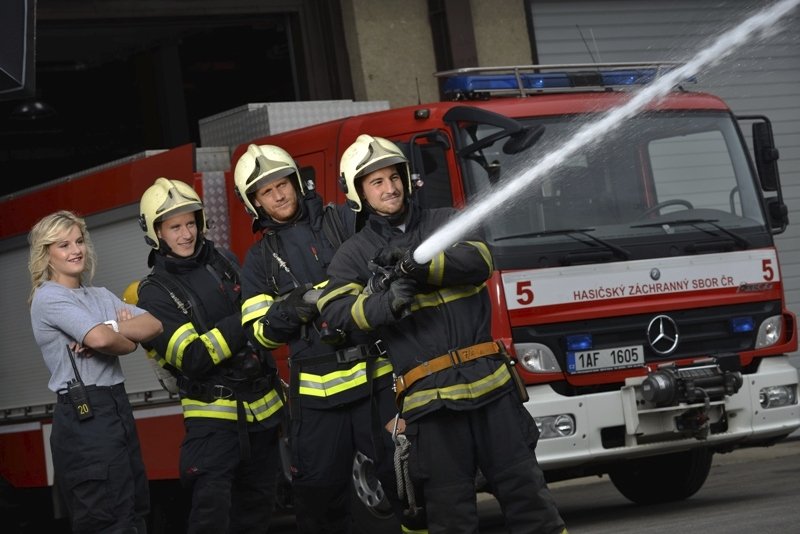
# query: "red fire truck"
{"type": "Point", "coordinates": [638, 284]}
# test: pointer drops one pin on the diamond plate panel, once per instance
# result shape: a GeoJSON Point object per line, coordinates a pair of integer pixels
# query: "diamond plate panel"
{"type": "Point", "coordinates": [215, 202]}
{"type": "Point", "coordinates": [251, 121]}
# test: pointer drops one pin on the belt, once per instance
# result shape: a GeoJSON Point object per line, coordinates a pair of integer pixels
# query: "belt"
{"type": "Point", "coordinates": [454, 358]}
{"type": "Point", "coordinates": [348, 355]}
{"type": "Point", "coordinates": [65, 398]}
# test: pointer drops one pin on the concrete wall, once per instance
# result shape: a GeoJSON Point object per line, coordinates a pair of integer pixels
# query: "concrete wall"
{"type": "Point", "coordinates": [501, 32]}
{"type": "Point", "coordinates": [391, 50]}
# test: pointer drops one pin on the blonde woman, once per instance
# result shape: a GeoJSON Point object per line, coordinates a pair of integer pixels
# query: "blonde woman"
{"type": "Point", "coordinates": [82, 330]}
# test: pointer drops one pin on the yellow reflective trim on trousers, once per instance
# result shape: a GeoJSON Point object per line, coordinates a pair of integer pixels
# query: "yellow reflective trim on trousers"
{"type": "Point", "coordinates": [258, 410]}
{"type": "Point", "coordinates": [216, 345]}
{"type": "Point", "coordinates": [445, 295]}
{"type": "Point", "coordinates": [258, 332]}
{"type": "Point", "coordinates": [332, 383]}
{"type": "Point", "coordinates": [178, 343]}
{"type": "Point", "coordinates": [436, 270]}
{"type": "Point", "coordinates": [266, 405]}
{"type": "Point", "coordinates": [473, 390]}
{"type": "Point", "coordinates": [256, 307]}
{"type": "Point", "coordinates": [357, 312]}
{"type": "Point", "coordinates": [484, 251]}
{"type": "Point", "coordinates": [347, 289]}
{"type": "Point", "coordinates": [405, 530]}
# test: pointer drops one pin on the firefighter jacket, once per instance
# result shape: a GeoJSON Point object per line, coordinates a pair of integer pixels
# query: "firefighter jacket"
{"type": "Point", "coordinates": [450, 311]}
{"type": "Point", "coordinates": [287, 256]}
{"type": "Point", "coordinates": [221, 380]}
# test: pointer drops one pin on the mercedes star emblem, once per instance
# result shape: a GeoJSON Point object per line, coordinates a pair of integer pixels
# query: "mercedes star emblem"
{"type": "Point", "coordinates": [662, 334]}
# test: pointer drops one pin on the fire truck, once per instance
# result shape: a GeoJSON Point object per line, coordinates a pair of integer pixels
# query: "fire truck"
{"type": "Point", "coordinates": [637, 285]}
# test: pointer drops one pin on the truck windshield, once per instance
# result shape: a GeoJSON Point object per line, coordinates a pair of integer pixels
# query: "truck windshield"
{"type": "Point", "coordinates": [662, 183]}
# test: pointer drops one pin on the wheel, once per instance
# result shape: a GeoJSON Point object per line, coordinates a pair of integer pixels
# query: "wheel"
{"type": "Point", "coordinates": [671, 477]}
{"type": "Point", "coordinates": [370, 509]}
{"type": "Point", "coordinates": [658, 207]}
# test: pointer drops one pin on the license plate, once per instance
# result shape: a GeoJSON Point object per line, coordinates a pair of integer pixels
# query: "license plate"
{"type": "Point", "coordinates": [604, 359]}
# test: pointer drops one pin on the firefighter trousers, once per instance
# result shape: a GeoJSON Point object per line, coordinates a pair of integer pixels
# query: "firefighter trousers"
{"type": "Point", "coordinates": [98, 464]}
{"type": "Point", "coordinates": [229, 494]}
{"type": "Point", "coordinates": [323, 443]}
{"type": "Point", "coordinates": [447, 448]}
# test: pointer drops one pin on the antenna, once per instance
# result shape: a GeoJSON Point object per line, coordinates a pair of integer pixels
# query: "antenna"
{"type": "Point", "coordinates": [588, 49]}
{"type": "Point", "coordinates": [419, 97]}
{"type": "Point", "coordinates": [596, 48]}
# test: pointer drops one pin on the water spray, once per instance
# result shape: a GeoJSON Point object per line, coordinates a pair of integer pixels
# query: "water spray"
{"type": "Point", "coordinates": [720, 48]}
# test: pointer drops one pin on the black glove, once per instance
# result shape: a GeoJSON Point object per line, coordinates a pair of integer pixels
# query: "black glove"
{"type": "Point", "coordinates": [389, 256]}
{"type": "Point", "coordinates": [409, 266]}
{"type": "Point", "coordinates": [293, 304]}
{"type": "Point", "coordinates": [247, 363]}
{"type": "Point", "coordinates": [380, 279]}
{"type": "Point", "coordinates": [400, 295]}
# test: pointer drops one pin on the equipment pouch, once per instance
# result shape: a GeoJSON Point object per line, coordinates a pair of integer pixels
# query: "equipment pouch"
{"type": "Point", "coordinates": [80, 400]}
{"type": "Point", "coordinates": [511, 365]}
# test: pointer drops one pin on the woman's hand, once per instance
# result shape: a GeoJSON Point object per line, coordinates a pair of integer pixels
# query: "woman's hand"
{"type": "Point", "coordinates": [81, 350]}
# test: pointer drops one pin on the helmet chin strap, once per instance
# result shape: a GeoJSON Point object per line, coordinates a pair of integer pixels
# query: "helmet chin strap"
{"type": "Point", "coordinates": [165, 249]}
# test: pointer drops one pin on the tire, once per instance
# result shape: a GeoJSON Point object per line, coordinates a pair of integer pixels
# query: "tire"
{"type": "Point", "coordinates": [660, 479]}
{"type": "Point", "coordinates": [369, 507]}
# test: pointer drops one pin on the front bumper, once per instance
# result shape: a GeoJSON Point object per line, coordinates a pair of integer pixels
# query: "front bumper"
{"type": "Point", "coordinates": [736, 421]}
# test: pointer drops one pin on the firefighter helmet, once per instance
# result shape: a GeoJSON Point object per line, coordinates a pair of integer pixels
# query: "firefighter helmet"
{"type": "Point", "coordinates": [365, 155]}
{"type": "Point", "coordinates": [166, 198]}
{"type": "Point", "coordinates": [131, 293]}
{"type": "Point", "coordinates": [259, 166]}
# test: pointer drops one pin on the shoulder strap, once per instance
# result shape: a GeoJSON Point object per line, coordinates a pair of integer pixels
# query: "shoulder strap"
{"type": "Point", "coordinates": [166, 284]}
{"type": "Point", "coordinates": [332, 225]}
{"type": "Point", "coordinates": [182, 298]}
{"type": "Point", "coordinates": [225, 265]}
{"type": "Point", "coordinates": [270, 262]}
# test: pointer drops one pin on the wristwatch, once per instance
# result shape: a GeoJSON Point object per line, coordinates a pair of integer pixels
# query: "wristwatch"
{"type": "Point", "coordinates": [113, 324]}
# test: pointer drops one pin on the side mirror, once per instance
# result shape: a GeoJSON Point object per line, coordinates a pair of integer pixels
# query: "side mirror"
{"type": "Point", "coordinates": [524, 139]}
{"type": "Point", "coordinates": [766, 156]}
{"type": "Point", "coordinates": [778, 215]}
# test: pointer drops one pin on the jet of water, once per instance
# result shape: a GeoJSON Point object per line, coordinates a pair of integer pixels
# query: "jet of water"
{"type": "Point", "coordinates": [493, 204]}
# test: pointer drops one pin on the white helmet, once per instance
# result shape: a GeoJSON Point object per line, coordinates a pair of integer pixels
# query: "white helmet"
{"type": "Point", "coordinates": [259, 166]}
{"type": "Point", "coordinates": [365, 155]}
{"type": "Point", "coordinates": [164, 199]}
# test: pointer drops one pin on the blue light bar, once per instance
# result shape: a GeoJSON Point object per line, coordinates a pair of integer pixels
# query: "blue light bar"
{"type": "Point", "coordinates": [466, 84]}
{"type": "Point", "coordinates": [742, 324]}
{"type": "Point", "coordinates": [579, 342]}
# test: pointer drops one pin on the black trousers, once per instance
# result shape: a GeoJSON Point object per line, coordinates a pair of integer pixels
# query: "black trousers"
{"type": "Point", "coordinates": [323, 444]}
{"type": "Point", "coordinates": [447, 448]}
{"type": "Point", "coordinates": [98, 464]}
{"type": "Point", "coordinates": [229, 494]}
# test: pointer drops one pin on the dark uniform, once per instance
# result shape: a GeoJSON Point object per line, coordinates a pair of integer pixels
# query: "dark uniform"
{"type": "Point", "coordinates": [466, 415]}
{"type": "Point", "coordinates": [231, 408]}
{"type": "Point", "coordinates": [338, 391]}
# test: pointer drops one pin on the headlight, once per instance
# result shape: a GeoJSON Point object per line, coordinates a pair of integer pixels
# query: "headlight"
{"type": "Point", "coordinates": [536, 358]}
{"type": "Point", "coordinates": [776, 396]}
{"type": "Point", "coordinates": [555, 426]}
{"type": "Point", "coordinates": [769, 332]}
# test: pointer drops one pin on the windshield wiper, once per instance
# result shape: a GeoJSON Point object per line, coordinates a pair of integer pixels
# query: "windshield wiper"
{"type": "Point", "coordinates": [618, 251]}
{"type": "Point", "coordinates": [742, 242]}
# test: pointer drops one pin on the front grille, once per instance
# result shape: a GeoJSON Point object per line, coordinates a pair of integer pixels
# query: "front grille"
{"type": "Point", "coordinates": [702, 331]}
